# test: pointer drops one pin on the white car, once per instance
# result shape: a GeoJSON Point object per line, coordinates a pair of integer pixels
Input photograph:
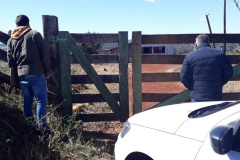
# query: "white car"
{"type": "Point", "coordinates": [187, 131]}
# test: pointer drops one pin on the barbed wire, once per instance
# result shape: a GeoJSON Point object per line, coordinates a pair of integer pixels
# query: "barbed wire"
{"type": "Point", "coordinates": [204, 8]}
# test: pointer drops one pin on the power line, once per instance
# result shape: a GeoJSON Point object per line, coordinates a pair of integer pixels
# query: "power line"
{"type": "Point", "coordinates": [193, 16]}
{"type": "Point", "coordinates": [213, 7]}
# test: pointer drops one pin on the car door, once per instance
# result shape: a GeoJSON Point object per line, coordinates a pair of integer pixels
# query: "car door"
{"type": "Point", "coordinates": [207, 153]}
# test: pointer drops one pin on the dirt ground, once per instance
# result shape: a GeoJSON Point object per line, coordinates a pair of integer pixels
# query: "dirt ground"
{"type": "Point", "coordinates": [155, 87]}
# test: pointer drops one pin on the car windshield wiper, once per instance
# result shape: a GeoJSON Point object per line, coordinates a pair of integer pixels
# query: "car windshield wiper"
{"type": "Point", "coordinates": [211, 109]}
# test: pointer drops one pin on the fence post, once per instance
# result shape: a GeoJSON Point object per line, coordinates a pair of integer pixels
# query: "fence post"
{"type": "Point", "coordinates": [123, 74]}
{"type": "Point", "coordinates": [137, 71]}
{"type": "Point", "coordinates": [50, 33]}
{"type": "Point", "coordinates": [65, 69]}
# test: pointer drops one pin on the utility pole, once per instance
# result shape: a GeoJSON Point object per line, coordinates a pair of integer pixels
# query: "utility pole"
{"type": "Point", "coordinates": [224, 25]}
{"type": "Point", "coordinates": [210, 30]}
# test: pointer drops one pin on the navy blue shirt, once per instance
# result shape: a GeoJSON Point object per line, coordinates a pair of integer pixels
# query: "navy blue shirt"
{"type": "Point", "coordinates": [204, 72]}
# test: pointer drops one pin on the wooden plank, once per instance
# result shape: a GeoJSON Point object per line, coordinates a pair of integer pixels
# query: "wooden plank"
{"type": "Point", "coordinates": [236, 70]}
{"type": "Point", "coordinates": [96, 117]}
{"type": "Point", "coordinates": [84, 79]}
{"type": "Point", "coordinates": [161, 97]}
{"type": "Point", "coordinates": [95, 38]}
{"type": "Point", "coordinates": [81, 58]}
{"type": "Point", "coordinates": [64, 57]}
{"type": "Point", "coordinates": [4, 37]}
{"type": "Point", "coordinates": [98, 58]}
{"type": "Point", "coordinates": [234, 59]}
{"type": "Point", "coordinates": [188, 38]}
{"type": "Point", "coordinates": [50, 32]}
{"type": "Point", "coordinates": [162, 59]}
{"type": "Point", "coordinates": [177, 59]}
{"type": "Point", "coordinates": [157, 97]}
{"type": "Point", "coordinates": [3, 55]}
{"type": "Point", "coordinates": [137, 71]}
{"type": "Point", "coordinates": [160, 77]}
{"type": "Point", "coordinates": [168, 77]}
{"type": "Point", "coordinates": [231, 96]}
{"type": "Point", "coordinates": [236, 78]}
{"type": "Point", "coordinates": [86, 98]}
{"type": "Point", "coordinates": [123, 74]}
{"type": "Point", "coordinates": [178, 98]}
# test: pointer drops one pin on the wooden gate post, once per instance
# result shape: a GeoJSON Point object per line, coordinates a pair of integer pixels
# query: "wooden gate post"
{"type": "Point", "coordinates": [50, 33]}
{"type": "Point", "coordinates": [123, 74]}
{"type": "Point", "coordinates": [65, 69]}
{"type": "Point", "coordinates": [137, 71]}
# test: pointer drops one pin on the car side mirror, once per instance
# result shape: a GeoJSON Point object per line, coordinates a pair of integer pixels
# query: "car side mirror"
{"type": "Point", "coordinates": [221, 139]}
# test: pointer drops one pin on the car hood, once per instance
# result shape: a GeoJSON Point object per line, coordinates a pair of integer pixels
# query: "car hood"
{"type": "Point", "coordinates": [173, 119]}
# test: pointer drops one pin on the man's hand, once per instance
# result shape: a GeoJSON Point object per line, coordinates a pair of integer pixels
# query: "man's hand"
{"type": "Point", "coordinates": [47, 76]}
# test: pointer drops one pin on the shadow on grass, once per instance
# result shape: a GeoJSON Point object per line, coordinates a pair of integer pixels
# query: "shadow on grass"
{"type": "Point", "coordinates": [100, 138]}
{"type": "Point", "coordinates": [18, 139]}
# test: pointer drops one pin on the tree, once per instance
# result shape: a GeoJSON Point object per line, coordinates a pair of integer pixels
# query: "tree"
{"type": "Point", "coordinates": [181, 50]}
{"type": "Point", "coordinates": [89, 48]}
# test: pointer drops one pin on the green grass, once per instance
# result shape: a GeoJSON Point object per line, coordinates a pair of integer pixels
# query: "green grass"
{"type": "Point", "coordinates": [19, 139]}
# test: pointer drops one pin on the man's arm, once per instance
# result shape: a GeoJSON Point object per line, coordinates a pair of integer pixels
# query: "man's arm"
{"type": "Point", "coordinates": [185, 74]}
{"type": "Point", "coordinates": [227, 70]}
{"type": "Point", "coordinates": [11, 61]}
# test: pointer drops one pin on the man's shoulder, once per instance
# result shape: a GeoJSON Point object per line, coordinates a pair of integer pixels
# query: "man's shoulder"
{"type": "Point", "coordinates": [207, 51]}
{"type": "Point", "coordinates": [33, 32]}
{"type": "Point", "coordinates": [216, 50]}
{"type": "Point", "coordinates": [34, 35]}
{"type": "Point", "coordinates": [191, 53]}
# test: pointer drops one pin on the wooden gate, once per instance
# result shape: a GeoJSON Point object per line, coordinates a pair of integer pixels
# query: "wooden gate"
{"type": "Point", "coordinates": [60, 45]}
{"type": "Point", "coordinates": [68, 44]}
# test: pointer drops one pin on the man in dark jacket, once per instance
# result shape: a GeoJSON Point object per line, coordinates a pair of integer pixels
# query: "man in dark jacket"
{"type": "Point", "coordinates": [205, 71]}
{"type": "Point", "coordinates": [27, 52]}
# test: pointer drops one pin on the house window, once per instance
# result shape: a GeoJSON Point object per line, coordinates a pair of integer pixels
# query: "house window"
{"type": "Point", "coordinates": [147, 50]}
{"type": "Point", "coordinates": [159, 49]}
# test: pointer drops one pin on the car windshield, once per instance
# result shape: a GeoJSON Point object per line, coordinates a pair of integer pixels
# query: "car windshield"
{"type": "Point", "coordinates": [202, 112]}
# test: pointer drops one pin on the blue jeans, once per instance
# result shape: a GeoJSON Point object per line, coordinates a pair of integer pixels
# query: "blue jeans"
{"type": "Point", "coordinates": [34, 86]}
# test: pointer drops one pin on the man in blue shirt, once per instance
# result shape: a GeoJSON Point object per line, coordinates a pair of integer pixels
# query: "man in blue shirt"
{"type": "Point", "coordinates": [205, 71]}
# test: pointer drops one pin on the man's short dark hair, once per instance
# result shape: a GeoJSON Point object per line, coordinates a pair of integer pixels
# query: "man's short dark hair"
{"type": "Point", "coordinates": [202, 39]}
{"type": "Point", "coordinates": [22, 20]}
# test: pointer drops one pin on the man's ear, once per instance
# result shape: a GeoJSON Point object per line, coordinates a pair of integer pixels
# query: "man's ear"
{"type": "Point", "coordinates": [195, 44]}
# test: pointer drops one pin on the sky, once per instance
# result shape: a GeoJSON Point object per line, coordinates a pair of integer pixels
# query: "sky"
{"type": "Point", "coordinates": [112, 16]}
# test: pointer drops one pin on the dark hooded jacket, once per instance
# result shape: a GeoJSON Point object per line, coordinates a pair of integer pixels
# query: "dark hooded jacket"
{"type": "Point", "coordinates": [27, 52]}
{"type": "Point", "coordinates": [204, 72]}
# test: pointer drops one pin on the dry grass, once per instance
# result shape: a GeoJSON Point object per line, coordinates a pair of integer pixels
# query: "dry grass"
{"type": "Point", "coordinates": [19, 138]}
